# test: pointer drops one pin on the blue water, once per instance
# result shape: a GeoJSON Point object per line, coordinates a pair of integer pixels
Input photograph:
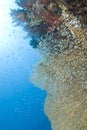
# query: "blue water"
{"type": "Point", "coordinates": [21, 103]}
{"type": "Point", "coordinates": [23, 110]}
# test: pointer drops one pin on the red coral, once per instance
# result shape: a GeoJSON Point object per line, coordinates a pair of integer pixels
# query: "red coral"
{"type": "Point", "coordinates": [53, 19]}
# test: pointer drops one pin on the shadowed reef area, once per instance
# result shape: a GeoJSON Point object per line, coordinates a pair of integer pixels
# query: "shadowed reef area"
{"type": "Point", "coordinates": [60, 30]}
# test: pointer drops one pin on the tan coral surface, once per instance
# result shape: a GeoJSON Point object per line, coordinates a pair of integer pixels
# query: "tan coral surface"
{"type": "Point", "coordinates": [65, 79]}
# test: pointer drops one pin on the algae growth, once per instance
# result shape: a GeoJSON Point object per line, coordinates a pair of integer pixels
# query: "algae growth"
{"type": "Point", "coordinates": [60, 29]}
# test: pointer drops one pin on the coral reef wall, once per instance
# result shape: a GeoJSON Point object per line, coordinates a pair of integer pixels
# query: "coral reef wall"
{"type": "Point", "coordinates": [63, 74]}
{"type": "Point", "coordinates": [61, 26]}
{"type": "Point", "coordinates": [65, 79]}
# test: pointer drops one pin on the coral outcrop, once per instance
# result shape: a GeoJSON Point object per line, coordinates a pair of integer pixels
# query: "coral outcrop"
{"type": "Point", "coordinates": [65, 79]}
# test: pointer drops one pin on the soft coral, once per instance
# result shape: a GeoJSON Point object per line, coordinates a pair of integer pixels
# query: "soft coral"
{"type": "Point", "coordinates": [52, 19]}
